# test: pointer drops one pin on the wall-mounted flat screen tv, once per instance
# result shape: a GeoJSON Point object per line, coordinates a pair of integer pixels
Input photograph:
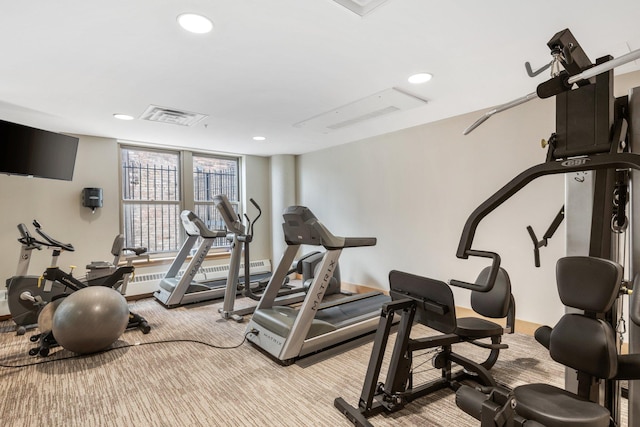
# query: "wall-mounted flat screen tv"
{"type": "Point", "coordinates": [28, 151]}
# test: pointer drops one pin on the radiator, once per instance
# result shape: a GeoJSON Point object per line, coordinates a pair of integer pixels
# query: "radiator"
{"type": "Point", "coordinates": [148, 282]}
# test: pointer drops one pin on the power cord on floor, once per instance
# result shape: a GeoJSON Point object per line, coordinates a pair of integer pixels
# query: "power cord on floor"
{"type": "Point", "coordinates": [138, 344]}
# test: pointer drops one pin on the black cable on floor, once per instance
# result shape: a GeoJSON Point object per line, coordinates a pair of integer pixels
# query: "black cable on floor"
{"type": "Point", "coordinates": [78, 356]}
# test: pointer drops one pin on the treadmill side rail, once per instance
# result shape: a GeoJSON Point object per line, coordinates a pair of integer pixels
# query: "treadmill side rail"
{"type": "Point", "coordinates": [298, 333]}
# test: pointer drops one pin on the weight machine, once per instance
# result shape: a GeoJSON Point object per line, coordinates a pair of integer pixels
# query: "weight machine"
{"type": "Point", "coordinates": [595, 133]}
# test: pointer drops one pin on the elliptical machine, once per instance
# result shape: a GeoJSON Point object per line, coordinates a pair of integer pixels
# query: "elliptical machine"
{"type": "Point", "coordinates": [241, 236]}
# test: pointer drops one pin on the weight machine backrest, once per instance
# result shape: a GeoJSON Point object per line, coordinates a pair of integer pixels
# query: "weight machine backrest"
{"type": "Point", "coordinates": [588, 283]}
{"type": "Point", "coordinates": [435, 305]}
{"type": "Point", "coordinates": [583, 341]}
{"type": "Point", "coordinates": [495, 303]}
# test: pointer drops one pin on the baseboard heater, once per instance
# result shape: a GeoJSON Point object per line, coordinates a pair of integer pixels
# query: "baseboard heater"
{"type": "Point", "coordinates": [208, 273]}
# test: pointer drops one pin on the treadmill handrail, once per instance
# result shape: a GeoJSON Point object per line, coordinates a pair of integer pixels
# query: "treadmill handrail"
{"type": "Point", "coordinates": [578, 164]}
{"type": "Point", "coordinates": [302, 227]}
{"type": "Point", "coordinates": [194, 226]}
{"type": "Point", "coordinates": [330, 241]}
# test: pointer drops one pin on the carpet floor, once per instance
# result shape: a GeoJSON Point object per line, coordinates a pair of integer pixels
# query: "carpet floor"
{"type": "Point", "coordinates": [178, 376]}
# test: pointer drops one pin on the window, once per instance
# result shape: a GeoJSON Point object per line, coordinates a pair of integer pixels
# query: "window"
{"type": "Point", "coordinates": [213, 176]}
{"type": "Point", "coordinates": [152, 194]}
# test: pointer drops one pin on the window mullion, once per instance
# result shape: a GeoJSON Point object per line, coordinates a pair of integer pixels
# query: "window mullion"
{"type": "Point", "coordinates": [187, 189]}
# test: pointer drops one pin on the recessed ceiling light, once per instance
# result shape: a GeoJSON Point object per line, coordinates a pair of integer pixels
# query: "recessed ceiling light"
{"type": "Point", "coordinates": [259, 138]}
{"type": "Point", "coordinates": [195, 23]}
{"type": "Point", "coordinates": [123, 116]}
{"type": "Point", "coordinates": [420, 78]}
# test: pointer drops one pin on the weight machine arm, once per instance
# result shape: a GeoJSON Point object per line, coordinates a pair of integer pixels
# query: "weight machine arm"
{"type": "Point", "coordinates": [547, 235]}
{"type": "Point", "coordinates": [593, 162]}
{"type": "Point", "coordinates": [578, 68]}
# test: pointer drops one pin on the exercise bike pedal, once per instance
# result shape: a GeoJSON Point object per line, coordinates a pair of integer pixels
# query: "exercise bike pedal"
{"type": "Point", "coordinates": [144, 327]}
{"type": "Point", "coordinates": [34, 338]}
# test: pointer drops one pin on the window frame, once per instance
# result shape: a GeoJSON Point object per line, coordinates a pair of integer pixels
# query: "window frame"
{"type": "Point", "coordinates": [186, 199]}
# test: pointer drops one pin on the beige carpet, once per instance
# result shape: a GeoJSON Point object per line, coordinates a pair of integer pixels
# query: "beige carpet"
{"type": "Point", "coordinates": [190, 384]}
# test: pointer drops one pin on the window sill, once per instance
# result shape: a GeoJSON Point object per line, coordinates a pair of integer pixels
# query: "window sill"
{"type": "Point", "coordinates": [152, 262]}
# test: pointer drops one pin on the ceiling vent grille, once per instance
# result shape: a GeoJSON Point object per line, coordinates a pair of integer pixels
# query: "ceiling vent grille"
{"type": "Point", "coordinates": [379, 104]}
{"type": "Point", "coordinates": [172, 116]}
{"type": "Point", "coordinates": [361, 7]}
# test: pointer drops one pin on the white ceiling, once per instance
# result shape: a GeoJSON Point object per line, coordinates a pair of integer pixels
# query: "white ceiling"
{"type": "Point", "coordinates": [69, 65]}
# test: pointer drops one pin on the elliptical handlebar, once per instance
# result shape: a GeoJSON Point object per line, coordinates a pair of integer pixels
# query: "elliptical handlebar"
{"type": "Point", "coordinates": [251, 223]}
{"type": "Point", "coordinates": [232, 220]}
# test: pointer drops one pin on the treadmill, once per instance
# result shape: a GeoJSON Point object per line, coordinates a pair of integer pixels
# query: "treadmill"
{"type": "Point", "coordinates": [288, 333]}
{"type": "Point", "coordinates": [175, 290]}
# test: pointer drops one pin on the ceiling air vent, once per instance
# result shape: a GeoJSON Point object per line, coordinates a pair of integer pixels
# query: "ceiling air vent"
{"type": "Point", "coordinates": [376, 105]}
{"type": "Point", "coordinates": [361, 7]}
{"type": "Point", "coordinates": [171, 116]}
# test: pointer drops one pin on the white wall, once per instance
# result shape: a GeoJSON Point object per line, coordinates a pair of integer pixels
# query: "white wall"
{"type": "Point", "coordinates": [283, 195]}
{"type": "Point", "coordinates": [57, 206]}
{"type": "Point", "coordinates": [414, 190]}
{"type": "Point", "coordinates": [256, 186]}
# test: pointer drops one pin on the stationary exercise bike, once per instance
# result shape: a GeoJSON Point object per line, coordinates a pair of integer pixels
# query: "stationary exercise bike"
{"type": "Point", "coordinates": [27, 294]}
{"type": "Point", "coordinates": [54, 285]}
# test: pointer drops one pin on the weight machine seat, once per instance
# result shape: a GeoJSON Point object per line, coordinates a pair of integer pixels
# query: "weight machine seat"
{"type": "Point", "coordinates": [493, 304]}
{"type": "Point", "coordinates": [475, 327]}
{"type": "Point", "coordinates": [554, 407]}
{"type": "Point", "coordinates": [580, 341]}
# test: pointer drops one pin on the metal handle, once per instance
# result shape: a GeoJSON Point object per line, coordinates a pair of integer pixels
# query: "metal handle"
{"type": "Point", "coordinates": [491, 278]}
{"type": "Point", "coordinates": [585, 75]}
